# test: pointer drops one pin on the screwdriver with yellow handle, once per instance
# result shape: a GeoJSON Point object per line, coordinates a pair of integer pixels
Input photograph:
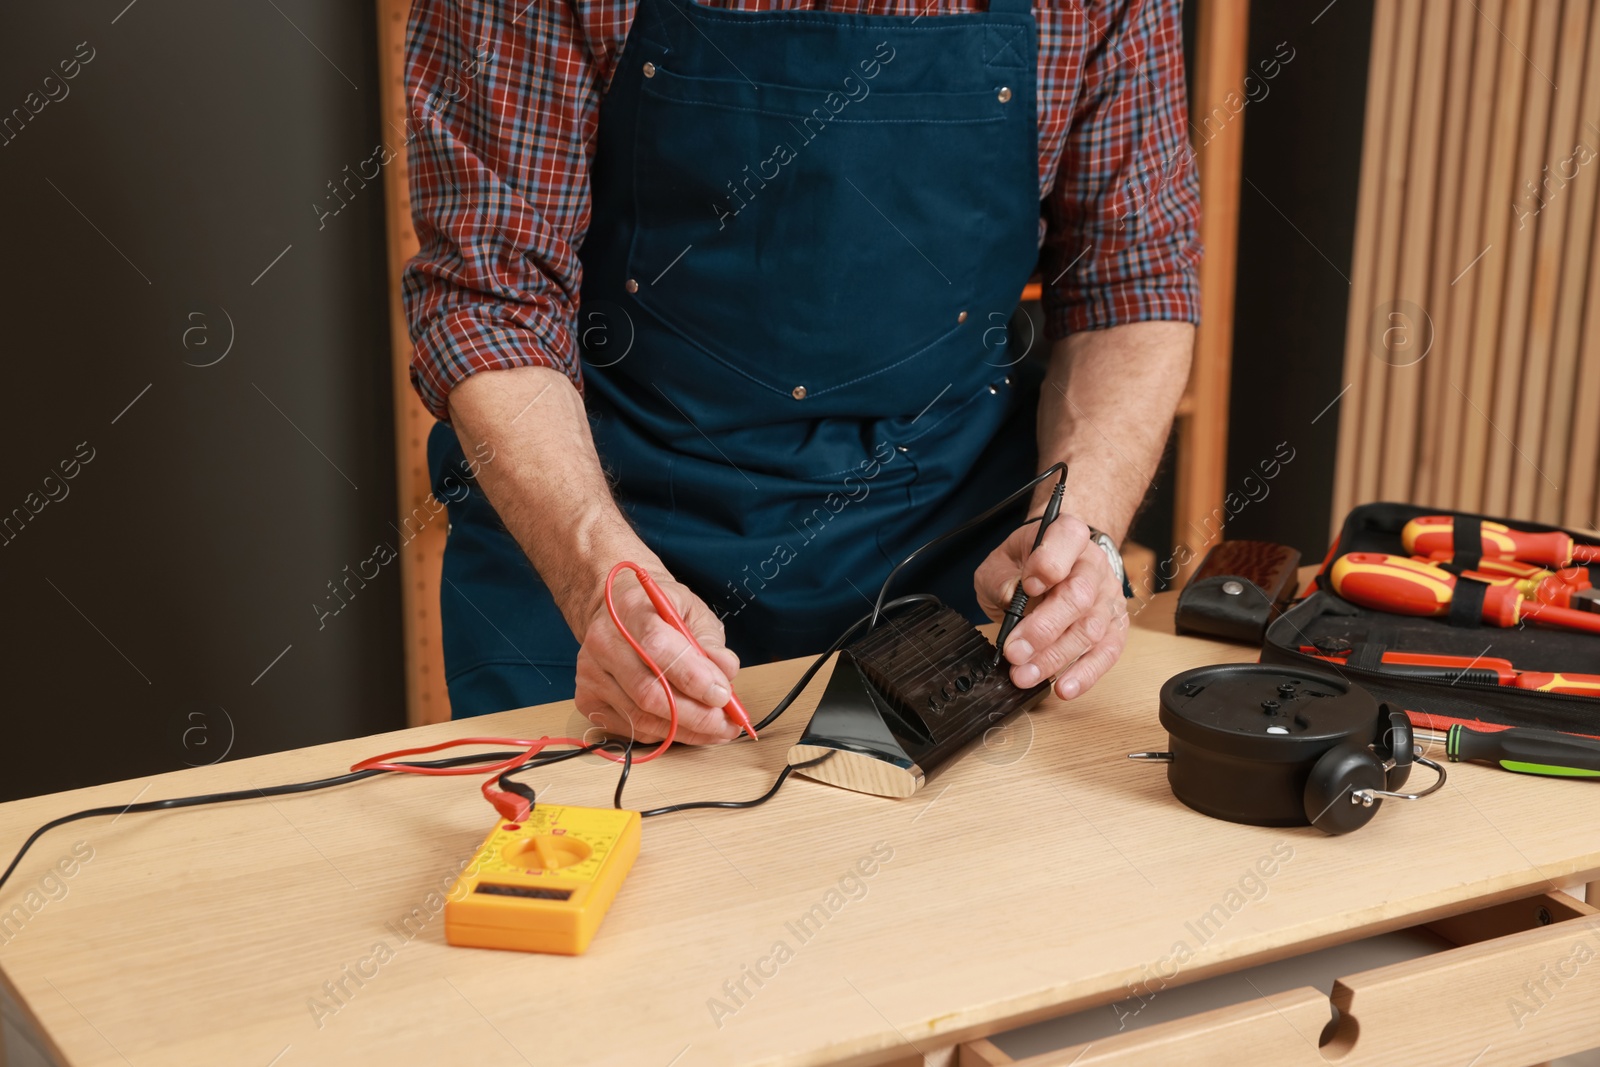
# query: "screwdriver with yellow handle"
{"type": "Point", "coordinates": [1436, 534]}
{"type": "Point", "coordinates": [1527, 751]}
{"type": "Point", "coordinates": [1411, 587]}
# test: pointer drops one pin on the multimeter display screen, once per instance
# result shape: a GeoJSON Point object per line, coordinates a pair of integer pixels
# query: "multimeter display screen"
{"type": "Point", "coordinates": [526, 891]}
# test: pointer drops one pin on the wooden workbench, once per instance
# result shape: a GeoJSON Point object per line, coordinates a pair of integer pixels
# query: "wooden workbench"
{"type": "Point", "coordinates": [1043, 874]}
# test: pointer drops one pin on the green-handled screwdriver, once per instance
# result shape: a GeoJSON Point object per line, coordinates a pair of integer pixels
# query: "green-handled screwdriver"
{"type": "Point", "coordinates": [1526, 750]}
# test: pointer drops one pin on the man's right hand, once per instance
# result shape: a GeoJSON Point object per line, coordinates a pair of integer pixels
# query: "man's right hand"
{"type": "Point", "coordinates": [548, 488]}
{"type": "Point", "coordinates": [618, 693]}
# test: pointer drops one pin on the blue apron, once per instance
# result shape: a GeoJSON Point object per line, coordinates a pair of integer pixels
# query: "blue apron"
{"type": "Point", "coordinates": [809, 231]}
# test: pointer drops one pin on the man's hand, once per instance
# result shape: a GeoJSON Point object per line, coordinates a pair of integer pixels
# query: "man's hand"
{"type": "Point", "coordinates": [1077, 619]}
{"type": "Point", "coordinates": [547, 486]}
{"type": "Point", "coordinates": [618, 693]}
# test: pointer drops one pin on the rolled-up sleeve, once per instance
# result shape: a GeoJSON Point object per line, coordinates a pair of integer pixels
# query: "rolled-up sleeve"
{"type": "Point", "coordinates": [502, 103]}
{"type": "Point", "coordinates": [1122, 239]}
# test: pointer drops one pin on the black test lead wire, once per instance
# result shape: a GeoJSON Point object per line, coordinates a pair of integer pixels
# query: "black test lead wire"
{"type": "Point", "coordinates": [247, 794]}
{"type": "Point", "coordinates": [506, 779]}
{"type": "Point", "coordinates": [1059, 469]}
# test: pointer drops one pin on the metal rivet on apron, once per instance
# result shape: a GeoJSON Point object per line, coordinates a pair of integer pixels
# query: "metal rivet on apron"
{"type": "Point", "coordinates": [1005, 94]}
{"type": "Point", "coordinates": [798, 392]}
{"type": "Point", "coordinates": [632, 286]}
{"type": "Point", "coordinates": [961, 317]}
{"type": "Point", "coordinates": [649, 70]}
{"type": "Point", "coordinates": [901, 448]}
{"type": "Point", "coordinates": [1008, 379]}
{"type": "Point", "coordinates": [993, 390]}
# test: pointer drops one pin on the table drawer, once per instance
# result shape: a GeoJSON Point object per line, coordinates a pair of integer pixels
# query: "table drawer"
{"type": "Point", "coordinates": [1521, 987]}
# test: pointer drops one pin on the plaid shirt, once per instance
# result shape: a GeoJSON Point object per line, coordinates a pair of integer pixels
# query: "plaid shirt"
{"type": "Point", "coordinates": [505, 101]}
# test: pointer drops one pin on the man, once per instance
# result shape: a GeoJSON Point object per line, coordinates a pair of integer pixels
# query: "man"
{"type": "Point", "coordinates": [721, 289]}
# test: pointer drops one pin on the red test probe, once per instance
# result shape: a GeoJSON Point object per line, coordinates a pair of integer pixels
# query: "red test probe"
{"type": "Point", "coordinates": [669, 613]}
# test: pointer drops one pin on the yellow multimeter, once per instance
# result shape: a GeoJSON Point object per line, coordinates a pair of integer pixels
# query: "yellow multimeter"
{"type": "Point", "coordinates": [544, 884]}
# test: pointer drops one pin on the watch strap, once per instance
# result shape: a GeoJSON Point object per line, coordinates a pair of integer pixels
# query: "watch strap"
{"type": "Point", "coordinates": [1118, 568]}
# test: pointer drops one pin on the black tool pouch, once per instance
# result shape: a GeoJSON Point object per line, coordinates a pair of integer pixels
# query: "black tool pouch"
{"type": "Point", "coordinates": [1325, 622]}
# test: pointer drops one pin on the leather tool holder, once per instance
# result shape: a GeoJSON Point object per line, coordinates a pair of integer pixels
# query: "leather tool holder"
{"type": "Point", "coordinates": [1238, 590]}
{"type": "Point", "coordinates": [905, 700]}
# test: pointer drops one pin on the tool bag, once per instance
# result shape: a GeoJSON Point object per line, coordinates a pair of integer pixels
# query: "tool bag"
{"type": "Point", "coordinates": [1324, 620]}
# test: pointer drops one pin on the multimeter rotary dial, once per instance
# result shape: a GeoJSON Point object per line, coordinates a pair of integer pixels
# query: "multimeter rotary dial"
{"type": "Point", "coordinates": [546, 852]}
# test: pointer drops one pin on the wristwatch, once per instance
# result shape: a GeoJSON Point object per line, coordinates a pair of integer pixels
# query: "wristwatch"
{"type": "Point", "coordinates": [1109, 547]}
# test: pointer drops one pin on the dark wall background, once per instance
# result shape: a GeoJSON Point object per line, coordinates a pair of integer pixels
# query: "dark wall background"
{"type": "Point", "coordinates": [144, 208]}
{"type": "Point", "coordinates": [1297, 210]}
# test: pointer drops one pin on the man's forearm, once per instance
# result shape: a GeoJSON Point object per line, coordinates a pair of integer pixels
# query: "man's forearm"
{"type": "Point", "coordinates": [546, 481]}
{"type": "Point", "coordinates": [1106, 408]}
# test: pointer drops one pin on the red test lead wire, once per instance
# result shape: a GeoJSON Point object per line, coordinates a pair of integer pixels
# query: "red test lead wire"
{"type": "Point", "coordinates": [510, 806]}
{"type": "Point", "coordinates": [383, 762]}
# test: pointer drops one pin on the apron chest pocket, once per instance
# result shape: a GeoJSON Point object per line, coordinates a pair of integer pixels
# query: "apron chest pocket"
{"type": "Point", "coordinates": [808, 239]}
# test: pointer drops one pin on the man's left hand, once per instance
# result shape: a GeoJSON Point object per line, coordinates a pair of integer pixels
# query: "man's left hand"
{"type": "Point", "coordinates": [1077, 619]}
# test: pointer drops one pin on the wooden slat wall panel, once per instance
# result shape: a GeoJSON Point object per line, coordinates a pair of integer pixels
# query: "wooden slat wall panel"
{"type": "Point", "coordinates": [1583, 489]}
{"type": "Point", "coordinates": [1391, 192]}
{"type": "Point", "coordinates": [1576, 271]}
{"type": "Point", "coordinates": [1583, 464]}
{"type": "Point", "coordinates": [1364, 258]}
{"type": "Point", "coordinates": [1448, 238]}
{"type": "Point", "coordinates": [1416, 232]}
{"type": "Point", "coordinates": [1479, 200]}
{"type": "Point", "coordinates": [1532, 139]}
{"type": "Point", "coordinates": [1554, 222]}
{"type": "Point", "coordinates": [1453, 321]}
{"type": "Point", "coordinates": [1487, 278]}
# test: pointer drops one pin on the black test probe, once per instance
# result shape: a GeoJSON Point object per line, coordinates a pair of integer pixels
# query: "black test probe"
{"type": "Point", "coordinates": [1019, 599]}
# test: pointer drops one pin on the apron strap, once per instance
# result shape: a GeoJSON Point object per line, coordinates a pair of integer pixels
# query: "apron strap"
{"type": "Point", "coordinates": [1011, 7]}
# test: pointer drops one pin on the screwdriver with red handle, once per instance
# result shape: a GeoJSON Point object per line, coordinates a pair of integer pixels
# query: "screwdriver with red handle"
{"type": "Point", "coordinates": [1483, 670]}
{"type": "Point", "coordinates": [1411, 587]}
{"type": "Point", "coordinates": [1568, 587]}
{"type": "Point", "coordinates": [1436, 534]}
{"type": "Point", "coordinates": [1559, 682]}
